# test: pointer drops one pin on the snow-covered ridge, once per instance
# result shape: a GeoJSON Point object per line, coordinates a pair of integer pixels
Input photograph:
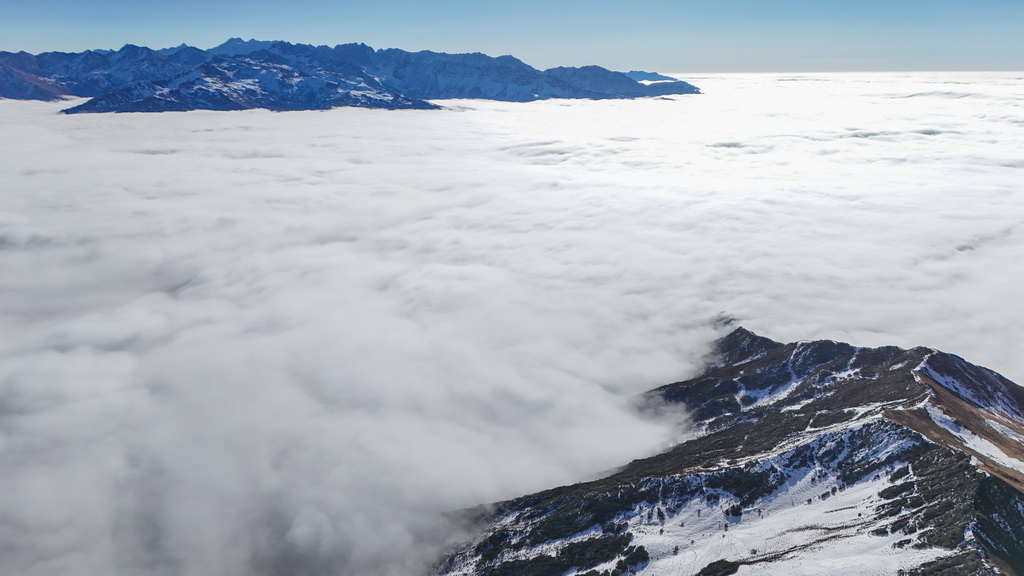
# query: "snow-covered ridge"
{"type": "Point", "coordinates": [810, 453]}
{"type": "Point", "coordinates": [977, 385]}
{"type": "Point", "coordinates": [975, 442]}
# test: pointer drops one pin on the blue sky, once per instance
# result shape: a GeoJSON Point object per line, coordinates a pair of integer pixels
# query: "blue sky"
{"type": "Point", "coordinates": [679, 36]}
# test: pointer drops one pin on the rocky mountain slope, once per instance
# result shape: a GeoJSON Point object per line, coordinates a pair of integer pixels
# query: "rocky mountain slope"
{"type": "Point", "coordinates": [242, 83]}
{"type": "Point", "coordinates": [806, 458]}
{"type": "Point", "coordinates": [282, 76]}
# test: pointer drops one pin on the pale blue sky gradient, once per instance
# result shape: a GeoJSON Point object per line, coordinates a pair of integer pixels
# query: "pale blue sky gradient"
{"type": "Point", "coordinates": [677, 36]}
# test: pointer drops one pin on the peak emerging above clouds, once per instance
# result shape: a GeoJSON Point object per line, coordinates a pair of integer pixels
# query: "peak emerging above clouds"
{"type": "Point", "coordinates": [801, 456]}
{"type": "Point", "coordinates": [241, 74]}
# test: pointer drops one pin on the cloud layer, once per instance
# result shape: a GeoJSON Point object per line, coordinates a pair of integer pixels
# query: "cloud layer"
{"type": "Point", "coordinates": [259, 343]}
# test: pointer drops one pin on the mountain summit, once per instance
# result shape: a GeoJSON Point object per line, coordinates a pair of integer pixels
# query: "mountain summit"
{"type": "Point", "coordinates": [805, 458]}
{"type": "Point", "coordinates": [241, 74]}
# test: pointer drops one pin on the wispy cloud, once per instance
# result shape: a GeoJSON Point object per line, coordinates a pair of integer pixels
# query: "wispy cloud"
{"type": "Point", "coordinates": [258, 343]}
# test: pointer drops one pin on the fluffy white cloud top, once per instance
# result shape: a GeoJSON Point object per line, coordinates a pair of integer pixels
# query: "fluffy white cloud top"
{"type": "Point", "coordinates": [260, 343]}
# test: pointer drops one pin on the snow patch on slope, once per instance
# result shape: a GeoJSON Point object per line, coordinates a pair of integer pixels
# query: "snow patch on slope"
{"type": "Point", "coordinates": [972, 441]}
{"type": "Point", "coordinates": [1003, 430]}
{"type": "Point", "coordinates": [816, 515]}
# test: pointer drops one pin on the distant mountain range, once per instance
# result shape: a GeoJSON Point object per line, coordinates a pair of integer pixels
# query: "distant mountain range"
{"type": "Point", "coordinates": [806, 458]}
{"type": "Point", "coordinates": [241, 74]}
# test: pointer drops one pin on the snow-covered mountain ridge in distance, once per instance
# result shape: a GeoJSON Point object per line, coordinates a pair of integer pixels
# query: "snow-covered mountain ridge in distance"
{"type": "Point", "coordinates": [807, 458]}
{"type": "Point", "coordinates": [283, 76]}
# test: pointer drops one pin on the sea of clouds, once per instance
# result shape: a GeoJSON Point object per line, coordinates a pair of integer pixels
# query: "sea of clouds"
{"type": "Point", "coordinates": [255, 343]}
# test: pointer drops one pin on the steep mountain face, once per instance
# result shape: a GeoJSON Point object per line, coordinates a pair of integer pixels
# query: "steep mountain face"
{"type": "Point", "coordinates": [243, 83]}
{"type": "Point", "coordinates": [282, 76]}
{"type": "Point", "coordinates": [21, 85]}
{"type": "Point", "coordinates": [806, 458]}
{"type": "Point", "coordinates": [435, 76]}
{"type": "Point", "coordinates": [432, 75]}
{"type": "Point", "coordinates": [93, 73]}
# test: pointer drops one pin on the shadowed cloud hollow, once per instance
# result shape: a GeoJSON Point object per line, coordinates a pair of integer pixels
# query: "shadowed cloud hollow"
{"type": "Point", "coordinates": [259, 343]}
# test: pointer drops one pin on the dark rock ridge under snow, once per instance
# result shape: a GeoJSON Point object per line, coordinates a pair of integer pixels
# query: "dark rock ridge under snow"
{"type": "Point", "coordinates": [282, 76]}
{"type": "Point", "coordinates": [804, 458]}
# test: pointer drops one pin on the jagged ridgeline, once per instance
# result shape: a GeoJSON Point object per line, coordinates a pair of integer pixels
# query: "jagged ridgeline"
{"type": "Point", "coordinates": [808, 458]}
{"type": "Point", "coordinates": [241, 75]}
